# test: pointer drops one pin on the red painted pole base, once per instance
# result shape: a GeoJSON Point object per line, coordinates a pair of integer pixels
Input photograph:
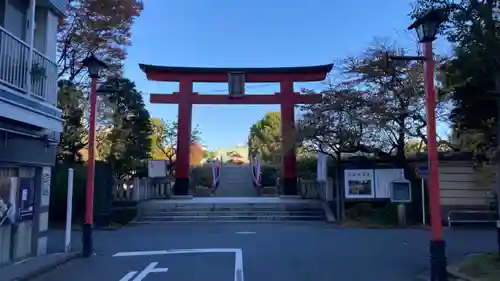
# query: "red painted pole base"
{"type": "Point", "coordinates": [290, 186]}
{"type": "Point", "coordinates": [87, 244]}
{"type": "Point", "coordinates": [181, 186]}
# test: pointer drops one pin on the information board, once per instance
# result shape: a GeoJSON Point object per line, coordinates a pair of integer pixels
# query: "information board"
{"type": "Point", "coordinates": [157, 168]}
{"type": "Point", "coordinates": [383, 180]}
{"type": "Point", "coordinates": [359, 183]}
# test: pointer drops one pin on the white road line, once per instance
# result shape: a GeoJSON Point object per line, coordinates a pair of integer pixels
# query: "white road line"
{"type": "Point", "coordinates": [175, 251]}
{"type": "Point", "coordinates": [246, 232]}
{"type": "Point", "coordinates": [238, 265]}
{"type": "Point", "coordinates": [238, 259]}
{"type": "Point", "coordinates": [128, 276]}
{"type": "Point", "coordinates": [140, 253]}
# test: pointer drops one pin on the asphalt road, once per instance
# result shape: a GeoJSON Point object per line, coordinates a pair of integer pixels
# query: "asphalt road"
{"type": "Point", "coordinates": [261, 251]}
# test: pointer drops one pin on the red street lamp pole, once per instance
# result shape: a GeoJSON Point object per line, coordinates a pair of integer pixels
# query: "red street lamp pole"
{"type": "Point", "coordinates": [94, 65]}
{"type": "Point", "coordinates": [427, 28]}
{"type": "Point", "coordinates": [437, 244]}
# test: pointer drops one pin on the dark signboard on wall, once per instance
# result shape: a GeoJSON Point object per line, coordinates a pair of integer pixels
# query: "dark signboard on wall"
{"type": "Point", "coordinates": [26, 198]}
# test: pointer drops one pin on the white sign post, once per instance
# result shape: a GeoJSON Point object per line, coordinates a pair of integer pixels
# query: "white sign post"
{"type": "Point", "coordinates": [321, 167]}
{"type": "Point", "coordinates": [422, 173]}
{"type": "Point", "coordinates": [424, 215]}
{"type": "Point", "coordinates": [69, 212]}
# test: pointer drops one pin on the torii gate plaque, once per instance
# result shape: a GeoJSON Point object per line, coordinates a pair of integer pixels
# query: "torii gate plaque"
{"type": "Point", "coordinates": [185, 98]}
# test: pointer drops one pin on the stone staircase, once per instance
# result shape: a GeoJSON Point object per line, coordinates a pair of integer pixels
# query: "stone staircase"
{"type": "Point", "coordinates": [236, 181]}
{"type": "Point", "coordinates": [215, 209]}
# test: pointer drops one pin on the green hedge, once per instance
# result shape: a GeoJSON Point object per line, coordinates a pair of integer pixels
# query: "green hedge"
{"type": "Point", "coordinates": [269, 174]}
{"type": "Point", "coordinates": [201, 175]}
{"type": "Point", "coordinates": [102, 191]}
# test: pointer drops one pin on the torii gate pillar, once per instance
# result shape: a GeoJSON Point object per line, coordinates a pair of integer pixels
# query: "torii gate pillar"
{"type": "Point", "coordinates": [286, 98]}
{"type": "Point", "coordinates": [288, 138]}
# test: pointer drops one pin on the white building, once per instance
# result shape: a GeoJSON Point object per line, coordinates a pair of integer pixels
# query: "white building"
{"type": "Point", "coordinates": [30, 122]}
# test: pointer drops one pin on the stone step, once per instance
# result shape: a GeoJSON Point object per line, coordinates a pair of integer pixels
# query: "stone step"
{"type": "Point", "coordinates": [231, 207]}
{"type": "Point", "coordinates": [229, 218]}
{"type": "Point", "coordinates": [236, 213]}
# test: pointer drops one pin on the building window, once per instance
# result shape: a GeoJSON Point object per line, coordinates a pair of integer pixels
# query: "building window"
{"type": "Point", "coordinates": [26, 172]}
{"type": "Point", "coordinates": [8, 172]}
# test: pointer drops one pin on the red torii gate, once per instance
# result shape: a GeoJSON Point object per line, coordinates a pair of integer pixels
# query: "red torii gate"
{"type": "Point", "coordinates": [185, 98]}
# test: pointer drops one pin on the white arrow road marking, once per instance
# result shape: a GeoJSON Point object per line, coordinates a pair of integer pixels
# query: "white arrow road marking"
{"type": "Point", "coordinates": [128, 276]}
{"type": "Point", "coordinates": [151, 268]}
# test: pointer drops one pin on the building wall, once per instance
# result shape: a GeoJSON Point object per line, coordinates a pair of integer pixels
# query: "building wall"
{"type": "Point", "coordinates": [459, 186]}
{"type": "Point", "coordinates": [22, 150]}
{"type": "Point", "coordinates": [460, 189]}
{"type": "Point", "coordinates": [30, 146]}
{"type": "Point", "coordinates": [26, 157]}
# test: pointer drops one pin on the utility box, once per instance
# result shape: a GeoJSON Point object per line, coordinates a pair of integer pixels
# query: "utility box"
{"type": "Point", "coordinates": [401, 191]}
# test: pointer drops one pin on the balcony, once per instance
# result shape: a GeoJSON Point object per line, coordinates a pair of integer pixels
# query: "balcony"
{"type": "Point", "coordinates": [15, 68]}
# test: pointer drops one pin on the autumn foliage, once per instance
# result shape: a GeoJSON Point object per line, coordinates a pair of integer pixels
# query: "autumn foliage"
{"type": "Point", "coordinates": [101, 27]}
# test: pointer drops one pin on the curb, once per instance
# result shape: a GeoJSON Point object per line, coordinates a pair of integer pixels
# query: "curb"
{"type": "Point", "coordinates": [454, 273]}
{"type": "Point", "coordinates": [44, 269]}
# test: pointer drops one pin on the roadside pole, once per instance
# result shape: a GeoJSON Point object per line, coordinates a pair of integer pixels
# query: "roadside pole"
{"type": "Point", "coordinates": [69, 212]}
{"type": "Point", "coordinates": [424, 214]}
{"type": "Point", "coordinates": [422, 172]}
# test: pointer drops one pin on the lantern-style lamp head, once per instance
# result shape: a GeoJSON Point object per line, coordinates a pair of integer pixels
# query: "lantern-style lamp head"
{"type": "Point", "coordinates": [428, 24]}
{"type": "Point", "coordinates": [94, 65]}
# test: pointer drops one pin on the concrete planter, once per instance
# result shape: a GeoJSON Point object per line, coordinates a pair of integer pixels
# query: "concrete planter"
{"type": "Point", "coordinates": [203, 191]}
{"type": "Point", "coordinates": [269, 191]}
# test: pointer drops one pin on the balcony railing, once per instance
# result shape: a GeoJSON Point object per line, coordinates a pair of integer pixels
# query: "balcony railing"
{"type": "Point", "coordinates": [14, 70]}
{"type": "Point", "coordinates": [43, 75]}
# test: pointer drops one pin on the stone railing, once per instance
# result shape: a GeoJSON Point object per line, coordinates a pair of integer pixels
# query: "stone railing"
{"type": "Point", "coordinates": [140, 189]}
{"type": "Point", "coordinates": [312, 189]}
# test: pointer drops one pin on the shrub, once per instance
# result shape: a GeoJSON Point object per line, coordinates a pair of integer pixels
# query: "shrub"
{"type": "Point", "coordinates": [307, 168]}
{"type": "Point", "coordinates": [124, 212]}
{"type": "Point", "coordinates": [59, 191]}
{"type": "Point", "coordinates": [268, 175]}
{"type": "Point", "coordinates": [360, 211]}
{"type": "Point", "coordinates": [201, 175]}
{"type": "Point", "coordinates": [378, 212]}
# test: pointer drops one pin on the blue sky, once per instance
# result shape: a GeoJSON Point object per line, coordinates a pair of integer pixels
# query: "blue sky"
{"type": "Point", "coordinates": [254, 33]}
